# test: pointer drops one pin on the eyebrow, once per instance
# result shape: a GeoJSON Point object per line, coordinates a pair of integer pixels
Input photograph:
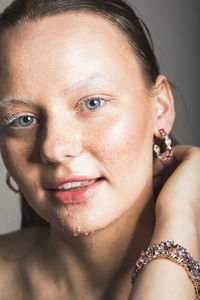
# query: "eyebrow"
{"type": "Point", "coordinates": [96, 78]}
{"type": "Point", "coordinates": [7, 102]}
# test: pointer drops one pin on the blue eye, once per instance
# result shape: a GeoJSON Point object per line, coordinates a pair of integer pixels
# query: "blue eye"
{"type": "Point", "coordinates": [24, 121]}
{"type": "Point", "coordinates": [93, 104]}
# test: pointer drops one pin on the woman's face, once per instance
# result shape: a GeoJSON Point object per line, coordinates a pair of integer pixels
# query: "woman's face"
{"type": "Point", "coordinates": [74, 108]}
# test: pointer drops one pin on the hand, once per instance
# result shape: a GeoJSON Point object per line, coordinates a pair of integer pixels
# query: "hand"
{"type": "Point", "coordinates": [178, 202]}
{"type": "Point", "coordinates": [177, 219]}
{"type": "Point", "coordinates": [180, 182]}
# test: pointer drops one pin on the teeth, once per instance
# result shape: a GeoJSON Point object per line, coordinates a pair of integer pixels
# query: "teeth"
{"type": "Point", "coordinates": [75, 184]}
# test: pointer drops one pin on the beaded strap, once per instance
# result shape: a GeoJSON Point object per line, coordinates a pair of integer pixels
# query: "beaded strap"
{"type": "Point", "coordinates": [176, 253]}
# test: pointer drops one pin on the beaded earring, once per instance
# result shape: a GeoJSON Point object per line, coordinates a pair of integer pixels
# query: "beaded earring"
{"type": "Point", "coordinates": [168, 154]}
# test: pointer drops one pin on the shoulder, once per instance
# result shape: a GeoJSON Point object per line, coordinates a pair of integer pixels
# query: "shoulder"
{"type": "Point", "coordinates": [16, 244]}
{"type": "Point", "coordinates": [16, 249]}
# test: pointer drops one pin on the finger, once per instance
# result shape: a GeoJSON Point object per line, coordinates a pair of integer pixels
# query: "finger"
{"type": "Point", "coordinates": [178, 155]}
{"type": "Point", "coordinates": [162, 167]}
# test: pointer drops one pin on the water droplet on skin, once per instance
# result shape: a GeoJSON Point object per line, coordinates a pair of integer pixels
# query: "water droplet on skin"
{"type": "Point", "coordinates": [67, 208]}
{"type": "Point", "coordinates": [69, 213]}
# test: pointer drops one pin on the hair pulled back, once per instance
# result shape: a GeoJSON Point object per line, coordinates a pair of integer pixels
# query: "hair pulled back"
{"type": "Point", "coordinates": [118, 12]}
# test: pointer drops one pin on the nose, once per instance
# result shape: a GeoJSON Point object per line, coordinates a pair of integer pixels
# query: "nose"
{"type": "Point", "coordinates": [59, 142]}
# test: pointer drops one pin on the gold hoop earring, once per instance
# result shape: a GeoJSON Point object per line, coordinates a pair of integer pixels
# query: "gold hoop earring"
{"type": "Point", "coordinates": [11, 187]}
{"type": "Point", "coordinates": [168, 153]}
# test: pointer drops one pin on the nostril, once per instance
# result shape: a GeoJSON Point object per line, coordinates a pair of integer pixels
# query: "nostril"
{"type": "Point", "coordinates": [54, 156]}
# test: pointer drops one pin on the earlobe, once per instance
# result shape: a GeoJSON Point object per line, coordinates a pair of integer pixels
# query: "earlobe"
{"type": "Point", "coordinates": [164, 103]}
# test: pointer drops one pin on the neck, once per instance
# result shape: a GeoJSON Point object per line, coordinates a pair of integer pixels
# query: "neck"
{"type": "Point", "coordinates": [105, 257]}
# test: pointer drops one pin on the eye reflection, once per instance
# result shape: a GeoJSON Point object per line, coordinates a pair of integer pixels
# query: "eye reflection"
{"type": "Point", "coordinates": [93, 104]}
{"type": "Point", "coordinates": [24, 121]}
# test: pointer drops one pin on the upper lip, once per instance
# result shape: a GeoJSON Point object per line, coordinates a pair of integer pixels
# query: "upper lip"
{"type": "Point", "coordinates": [57, 182]}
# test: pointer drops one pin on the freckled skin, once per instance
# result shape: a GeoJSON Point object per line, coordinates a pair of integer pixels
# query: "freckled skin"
{"type": "Point", "coordinates": [114, 142]}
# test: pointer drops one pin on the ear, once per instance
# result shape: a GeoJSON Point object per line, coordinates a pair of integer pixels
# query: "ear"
{"type": "Point", "coordinates": [164, 105]}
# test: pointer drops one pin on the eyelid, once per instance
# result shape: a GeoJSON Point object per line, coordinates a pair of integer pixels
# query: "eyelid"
{"type": "Point", "coordinates": [5, 122]}
{"type": "Point", "coordinates": [85, 99]}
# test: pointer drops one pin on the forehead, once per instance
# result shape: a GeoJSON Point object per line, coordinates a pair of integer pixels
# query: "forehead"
{"type": "Point", "coordinates": [79, 25]}
{"type": "Point", "coordinates": [79, 42]}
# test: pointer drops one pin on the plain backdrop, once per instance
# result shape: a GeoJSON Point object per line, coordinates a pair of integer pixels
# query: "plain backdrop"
{"type": "Point", "coordinates": [174, 25]}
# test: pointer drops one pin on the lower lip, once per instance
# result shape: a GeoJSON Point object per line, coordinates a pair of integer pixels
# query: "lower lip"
{"type": "Point", "coordinates": [80, 195]}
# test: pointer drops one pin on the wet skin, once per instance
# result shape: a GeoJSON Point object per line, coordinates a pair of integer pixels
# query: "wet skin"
{"type": "Point", "coordinates": [54, 74]}
{"type": "Point", "coordinates": [81, 108]}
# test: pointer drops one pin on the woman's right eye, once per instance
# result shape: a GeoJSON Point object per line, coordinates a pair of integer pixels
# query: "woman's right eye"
{"type": "Point", "coordinates": [18, 121]}
{"type": "Point", "coordinates": [24, 121]}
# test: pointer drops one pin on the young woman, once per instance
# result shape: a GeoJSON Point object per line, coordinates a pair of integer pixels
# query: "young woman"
{"type": "Point", "coordinates": [82, 102]}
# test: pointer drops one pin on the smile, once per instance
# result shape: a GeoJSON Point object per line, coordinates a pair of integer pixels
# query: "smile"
{"type": "Point", "coordinates": [70, 186]}
{"type": "Point", "coordinates": [75, 192]}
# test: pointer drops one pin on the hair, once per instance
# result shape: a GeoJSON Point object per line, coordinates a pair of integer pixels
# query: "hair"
{"type": "Point", "coordinates": [118, 12]}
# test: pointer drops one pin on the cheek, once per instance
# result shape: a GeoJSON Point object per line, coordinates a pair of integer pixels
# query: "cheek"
{"type": "Point", "coordinates": [122, 141]}
{"type": "Point", "coordinates": [16, 154]}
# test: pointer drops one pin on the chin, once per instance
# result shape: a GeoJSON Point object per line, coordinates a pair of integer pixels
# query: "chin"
{"type": "Point", "coordinates": [84, 222]}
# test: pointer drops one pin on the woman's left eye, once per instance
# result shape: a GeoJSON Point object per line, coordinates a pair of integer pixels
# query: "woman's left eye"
{"type": "Point", "coordinates": [91, 104]}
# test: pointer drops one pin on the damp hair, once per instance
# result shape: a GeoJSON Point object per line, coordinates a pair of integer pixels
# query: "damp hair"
{"type": "Point", "coordinates": [118, 12]}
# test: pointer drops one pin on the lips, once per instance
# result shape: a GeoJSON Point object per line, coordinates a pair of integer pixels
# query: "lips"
{"type": "Point", "coordinates": [74, 190]}
{"type": "Point", "coordinates": [75, 185]}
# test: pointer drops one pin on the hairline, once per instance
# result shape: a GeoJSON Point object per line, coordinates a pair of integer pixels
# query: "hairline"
{"type": "Point", "coordinates": [130, 45]}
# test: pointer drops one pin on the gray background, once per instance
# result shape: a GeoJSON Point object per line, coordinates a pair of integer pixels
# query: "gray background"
{"type": "Point", "coordinates": [174, 25]}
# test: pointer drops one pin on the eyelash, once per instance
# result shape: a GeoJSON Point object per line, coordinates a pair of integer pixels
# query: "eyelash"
{"type": "Point", "coordinates": [11, 119]}
{"type": "Point", "coordinates": [85, 100]}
